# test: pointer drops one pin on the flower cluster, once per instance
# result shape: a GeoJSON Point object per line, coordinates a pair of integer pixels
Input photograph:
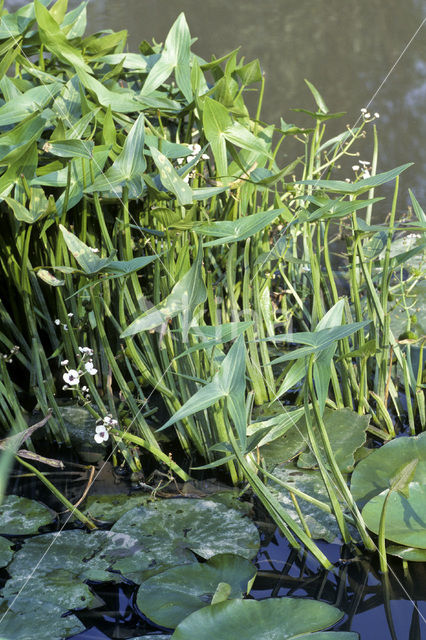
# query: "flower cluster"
{"type": "Point", "coordinates": [101, 430]}
{"type": "Point", "coordinates": [363, 167]}
{"type": "Point", "coordinates": [72, 376]}
{"type": "Point", "coordinates": [9, 356]}
{"type": "Point", "coordinates": [367, 115]}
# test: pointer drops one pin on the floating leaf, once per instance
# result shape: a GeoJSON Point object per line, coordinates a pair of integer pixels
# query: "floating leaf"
{"type": "Point", "coordinates": [60, 588]}
{"type": "Point", "coordinates": [405, 517]}
{"type": "Point", "coordinates": [280, 618]}
{"type": "Point", "coordinates": [347, 433]}
{"type": "Point", "coordinates": [411, 554]}
{"type": "Point", "coordinates": [6, 552]}
{"type": "Point", "coordinates": [169, 597]}
{"type": "Point", "coordinates": [110, 507]}
{"type": "Point", "coordinates": [48, 622]}
{"type": "Point", "coordinates": [170, 530]}
{"type": "Point", "coordinates": [321, 524]}
{"type": "Point", "coordinates": [86, 555]}
{"type": "Point", "coordinates": [375, 473]}
{"type": "Point", "coordinates": [22, 516]}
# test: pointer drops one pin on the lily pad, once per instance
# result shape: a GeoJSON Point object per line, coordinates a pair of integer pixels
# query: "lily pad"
{"type": "Point", "coordinates": [407, 553]}
{"type": "Point", "coordinates": [6, 552]}
{"type": "Point", "coordinates": [59, 588]}
{"type": "Point", "coordinates": [345, 429]}
{"type": "Point", "coordinates": [22, 516]}
{"type": "Point", "coordinates": [169, 597]}
{"type": "Point", "coordinates": [110, 507]}
{"type": "Point", "coordinates": [171, 531]}
{"type": "Point", "coordinates": [405, 519]}
{"type": "Point", "coordinates": [270, 619]}
{"type": "Point", "coordinates": [375, 473]}
{"type": "Point", "coordinates": [320, 523]}
{"type": "Point", "coordinates": [45, 624]}
{"type": "Point", "coordinates": [86, 555]}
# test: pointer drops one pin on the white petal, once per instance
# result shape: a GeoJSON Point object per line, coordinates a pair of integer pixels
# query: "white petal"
{"type": "Point", "coordinates": [98, 438]}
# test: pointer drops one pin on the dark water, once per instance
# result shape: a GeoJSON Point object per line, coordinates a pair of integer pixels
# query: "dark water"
{"type": "Point", "coordinates": [357, 590]}
{"type": "Point", "coordinates": [345, 48]}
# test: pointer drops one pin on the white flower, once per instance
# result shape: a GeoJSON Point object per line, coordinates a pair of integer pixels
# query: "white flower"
{"type": "Point", "coordinates": [377, 115]}
{"type": "Point", "coordinates": [94, 249]}
{"type": "Point", "coordinates": [366, 174]}
{"type": "Point", "coordinates": [101, 434]}
{"type": "Point", "coordinates": [107, 420]}
{"type": "Point", "coordinates": [65, 327]}
{"type": "Point", "coordinates": [355, 167]}
{"type": "Point", "coordinates": [364, 110]}
{"type": "Point", "coordinates": [64, 362]}
{"type": "Point", "coordinates": [70, 315]}
{"type": "Point", "coordinates": [365, 163]}
{"type": "Point", "coordinates": [367, 115]}
{"type": "Point", "coordinates": [72, 377]}
{"type": "Point", "coordinates": [90, 368]}
{"type": "Point", "coordinates": [86, 351]}
{"type": "Point", "coordinates": [195, 148]}
{"type": "Point", "coordinates": [85, 388]}
{"type": "Point", "coordinates": [57, 322]}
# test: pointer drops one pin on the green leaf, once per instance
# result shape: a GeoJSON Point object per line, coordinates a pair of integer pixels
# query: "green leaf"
{"type": "Point", "coordinates": [355, 188]}
{"type": "Point", "coordinates": [228, 382]}
{"type": "Point", "coordinates": [317, 96]}
{"type": "Point", "coordinates": [321, 524]}
{"type": "Point", "coordinates": [374, 474]}
{"type": "Point", "coordinates": [170, 178]}
{"type": "Point", "coordinates": [184, 298]}
{"type": "Point", "coordinates": [70, 148]}
{"type": "Point", "coordinates": [15, 143]}
{"type": "Point", "coordinates": [174, 57]}
{"type": "Point", "coordinates": [276, 426]}
{"type": "Point", "coordinates": [25, 104]}
{"type": "Point", "coordinates": [280, 618]}
{"type": "Point", "coordinates": [237, 230]}
{"type": "Point", "coordinates": [47, 620]}
{"type": "Point", "coordinates": [86, 555]}
{"type": "Point", "coordinates": [215, 335]}
{"type": "Point", "coordinates": [170, 530]}
{"type": "Point", "coordinates": [60, 588]}
{"type": "Point", "coordinates": [119, 101]}
{"type": "Point", "coordinates": [6, 552]}
{"type": "Point", "coordinates": [88, 261]}
{"type": "Point", "coordinates": [22, 516]}
{"type": "Point", "coordinates": [169, 597]}
{"type": "Point", "coordinates": [405, 518]}
{"type": "Point", "coordinates": [55, 41]}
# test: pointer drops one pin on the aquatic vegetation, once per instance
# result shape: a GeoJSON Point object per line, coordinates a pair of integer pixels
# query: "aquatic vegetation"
{"type": "Point", "coordinates": [179, 294]}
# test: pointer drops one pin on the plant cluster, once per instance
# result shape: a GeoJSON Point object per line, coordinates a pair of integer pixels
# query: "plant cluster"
{"type": "Point", "coordinates": [153, 243]}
